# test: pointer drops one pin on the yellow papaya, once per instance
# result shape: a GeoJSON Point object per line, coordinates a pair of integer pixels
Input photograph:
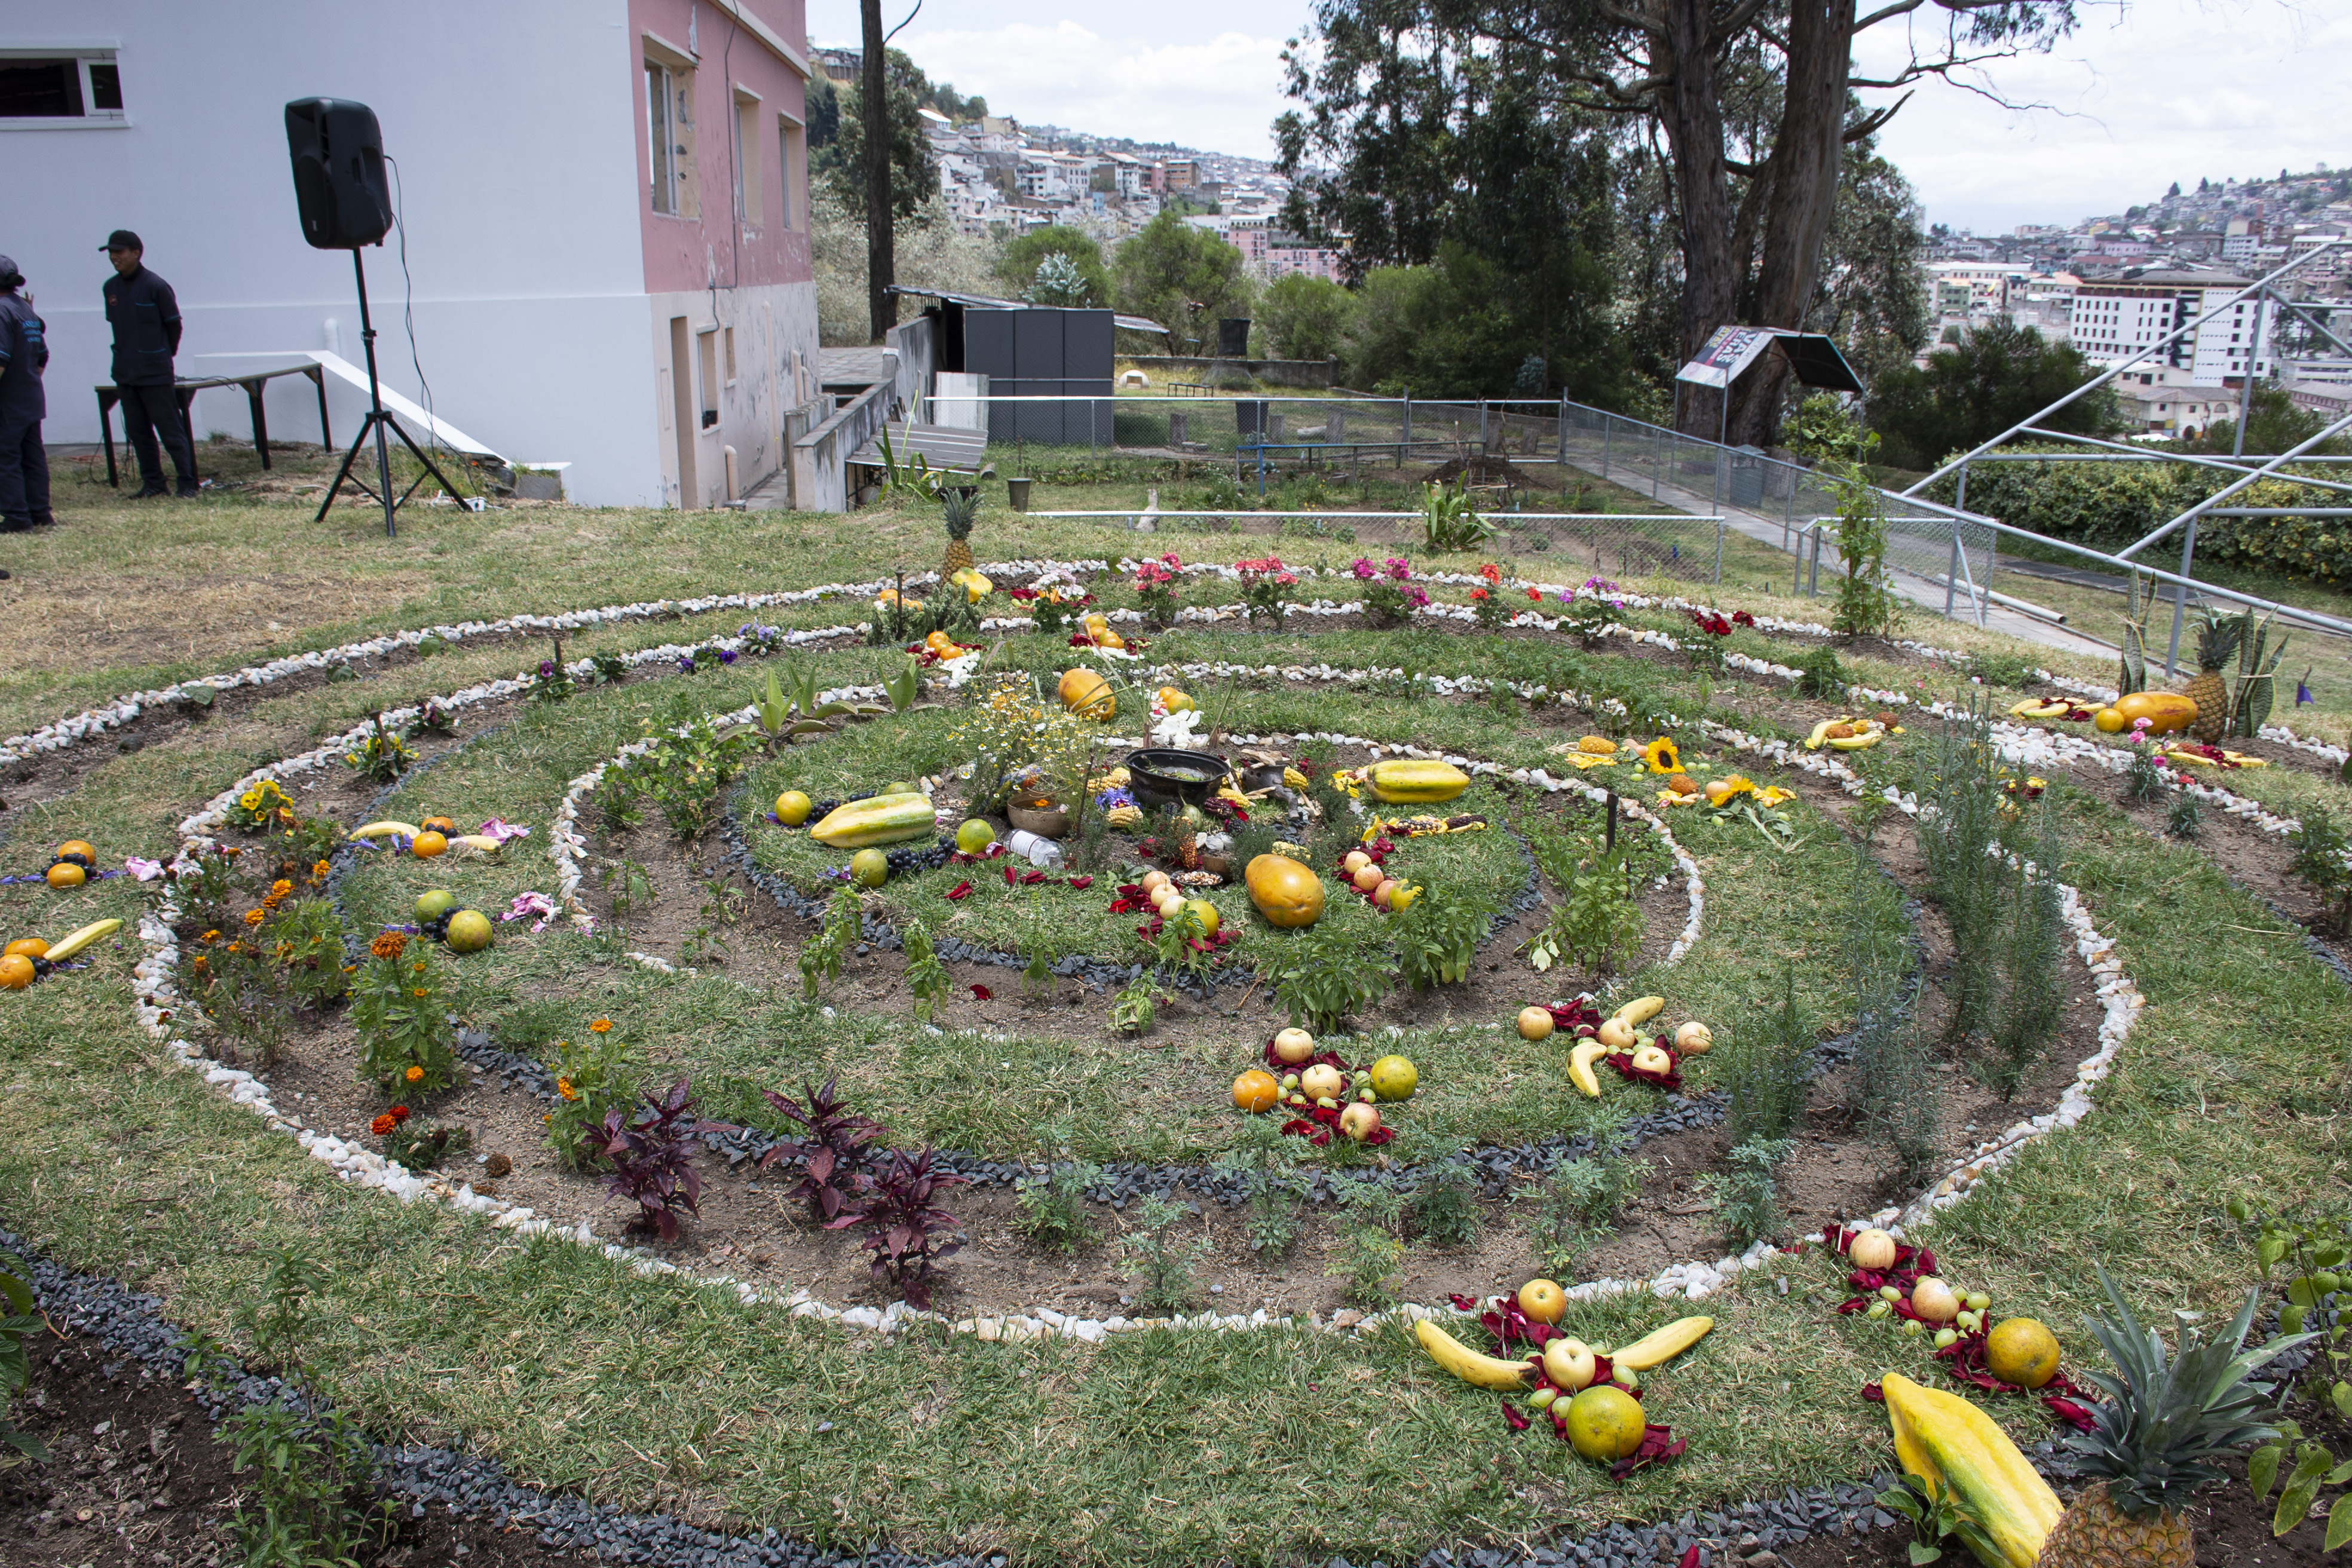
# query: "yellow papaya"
{"type": "Point", "coordinates": [1087, 694]}
{"type": "Point", "coordinates": [2166, 712]}
{"type": "Point", "coordinates": [1949, 1443]}
{"type": "Point", "coordinates": [882, 819]}
{"type": "Point", "coordinates": [1286, 892]}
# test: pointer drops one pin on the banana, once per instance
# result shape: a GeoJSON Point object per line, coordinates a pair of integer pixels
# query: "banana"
{"type": "Point", "coordinates": [1485, 1371]}
{"type": "Point", "coordinates": [81, 938]}
{"type": "Point", "coordinates": [1580, 1066]}
{"type": "Point", "coordinates": [1859, 742]}
{"type": "Point", "coordinates": [1641, 1010]}
{"type": "Point", "coordinates": [1662, 1345]}
{"type": "Point", "coordinates": [481, 843]}
{"type": "Point", "coordinates": [385, 829]}
{"type": "Point", "coordinates": [1813, 741]}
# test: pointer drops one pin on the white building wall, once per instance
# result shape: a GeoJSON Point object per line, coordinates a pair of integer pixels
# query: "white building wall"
{"type": "Point", "coordinates": [517, 155]}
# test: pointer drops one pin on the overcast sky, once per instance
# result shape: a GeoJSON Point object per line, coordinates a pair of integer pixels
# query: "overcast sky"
{"type": "Point", "coordinates": [2142, 95]}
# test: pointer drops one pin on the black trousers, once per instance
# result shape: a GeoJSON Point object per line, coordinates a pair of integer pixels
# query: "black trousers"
{"type": "Point", "coordinates": [150, 411]}
{"type": "Point", "coordinates": [24, 472]}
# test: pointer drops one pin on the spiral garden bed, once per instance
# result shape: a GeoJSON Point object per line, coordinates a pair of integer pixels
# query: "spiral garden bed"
{"type": "Point", "coordinates": [689, 946]}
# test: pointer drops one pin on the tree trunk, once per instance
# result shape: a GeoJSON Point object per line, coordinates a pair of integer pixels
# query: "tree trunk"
{"type": "Point", "coordinates": [1808, 151]}
{"type": "Point", "coordinates": [1690, 104]}
{"type": "Point", "coordinates": [874, 106]}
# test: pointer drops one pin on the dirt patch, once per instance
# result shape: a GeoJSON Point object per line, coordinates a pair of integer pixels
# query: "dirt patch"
{"type": "Point", "coordinates": [135, 1479]}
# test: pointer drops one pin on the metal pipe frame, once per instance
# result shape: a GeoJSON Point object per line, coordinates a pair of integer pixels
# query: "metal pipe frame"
{"type": "Point", "coordinates": [2192, 458]}
{"type": "Point", "coordinates": [1398, 516]}
{"type": "Point", "coordinates": [2267, 471]}
{"type": "Point", "coordinates": [2259, 285]}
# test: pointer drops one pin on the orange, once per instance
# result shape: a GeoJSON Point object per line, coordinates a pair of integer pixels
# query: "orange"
{"type": "Point", "coordinates": [1605, 1424]}
{"type": "Point", "coordinates": [29, 946]}
{"type": "Point", "coordinates": [428, 844]}
{"type": "Point", "coordinates": [440, 824]}
{"type": "Point", "coordinates": [1543, 1300]}
{"type": "Point", "coordinates": [1256, 1091]}
{"type": "Point", "coordinates": [16, 972]}
{"type": "Point", "coordinates": [2022, 1352]}
{"type": "Point", "coordinates": [66, 874]}
{"type": "Point", "coordinates": [1395, 1078]}
{"type": "Point", "coordinates": [76, 847]}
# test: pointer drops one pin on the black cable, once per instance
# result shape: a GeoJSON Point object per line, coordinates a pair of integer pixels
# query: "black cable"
{"type": "Point", "coordinates": [408, 312]}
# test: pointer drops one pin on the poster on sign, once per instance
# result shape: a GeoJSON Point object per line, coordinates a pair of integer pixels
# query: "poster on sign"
{"type": "Point", "coordinates": [1726, 355]}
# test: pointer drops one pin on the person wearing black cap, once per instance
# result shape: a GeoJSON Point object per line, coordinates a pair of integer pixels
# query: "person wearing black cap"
{"type": "Point", "coordinates": [23, 355]}
{"type": "Point", "coordinates": [146, 321]}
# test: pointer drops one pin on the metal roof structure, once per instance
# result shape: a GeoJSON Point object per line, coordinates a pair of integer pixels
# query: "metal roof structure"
{"type": "Point", "coordinates": [987, 302]}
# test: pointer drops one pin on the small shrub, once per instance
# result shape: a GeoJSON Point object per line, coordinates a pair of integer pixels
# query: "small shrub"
{"type": "Point", "coordinates": [1165, 1260]}
{"type": "Point", "coordinates": [277, 1321]}
{"type": "Point", "coordinates": [414, 1146]}
{"type": "Point", "coordinates": [927, 977]}
{"type": "Point", "coordinates": [1391, 597]}
{"type": "Point", "coordinates": [592, 1079]}
{"type": "Point", "coordinates": [1819, 675]}
{"type": "Point", "coordinates": [651, 1162]}
{"type": "Point", "coordinates": [1744, 1198]}
{"type": "Point", "coordinates": [1450, 519]}
{"type": "Point", "coordinates": [837, 1149]}
{"type": "Point", "coordinates": [2146, 777]}
{"type": "Point", "coordinates": [2319, 843]}
{"type": "Point", "coordinates": [2032, 994]}
{"type": "Point", "coordinates": [1156, 586]}
{"type": "Point", "coordinates": [306, 939]}
{"type": "Point", "coordinates": [900, 1223]}
{"type": "Point", "coordinates": [2010, 670]}
{"type": "Point", "coordinates": [823, 954]}
{"type": "Point", "coordinates": [2186, 814]}
{"type": "Point", "coordinates": [400, 1012]}
{"type": "Point", "coordinates": [1446, 1205]}
{"type": "Point", "coordinates": [1766, 1066]}
{"type": "Point", "coordinates": [16, 1294]}
{"type": "Point", "coordinates": [242, 994]}
{"type": "Point", "coordinates": [1054, 1206]}
{"type": "Point", "coordinates": [1890, 1085]}
{"type": "Point", "coordinates": [1370, 1246]}
{"type": "Point", "coordinates": [314, 1499]}
{"type": "Point", "coordinates": [1597, 925]}
{"type": "Point", "coordinates": [1266, 1165]}
{"type": "Point", "coordinates": [1328, 972]}
{"type": "Point", "coordinates": [1436, 938]}
{"type": "Point", "coordinates": [684, 776]}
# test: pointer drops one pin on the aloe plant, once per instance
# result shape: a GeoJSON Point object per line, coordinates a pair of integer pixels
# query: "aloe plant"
{"type": "Point", "coordinates": [2256, 690]}
{"type": "Point", "coordinates": [2133, 675]}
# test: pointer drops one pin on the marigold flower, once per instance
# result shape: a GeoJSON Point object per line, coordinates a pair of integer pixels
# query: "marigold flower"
{"type": "Point", "coordinates": [209, 936]}
{"type": "Point", "coordinates": [421, 990]}
{"type": "Point", "coordinates": [318, 870]}
{"type": "Point", "coordinates": [253, 917]}
{"type": "Point", "coordinates": [382, 1125]}
{"type": "Point", "coordinates": [399, 1113]}
{"type": "Point", "coordinates": [414, 1074]}
{"type": "Point", "coordinates": [563, 1087]}
{"type": "Point", "coordinates": [389, 944]}
{"type": "Point", "coordinates": [600, 1027]}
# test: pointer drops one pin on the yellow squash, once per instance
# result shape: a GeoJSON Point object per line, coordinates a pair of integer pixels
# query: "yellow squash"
{"type": "Point", "coordinates": [884, 819]}
{"type": "Point", "coordinates": [1402, 781]}
{"type": "Point", "coordinates": [1286, 892]}
{"type": "Point", "coordinates": [1949, 1443]}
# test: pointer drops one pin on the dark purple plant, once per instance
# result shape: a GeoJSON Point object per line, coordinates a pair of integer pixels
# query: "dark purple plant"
{"type": "Point", "coordinates": [901, 1222]}
{"type": "Point", "coordinates": [646, 1146]}
{"type": "Point", "coordinates": [838, 1149]}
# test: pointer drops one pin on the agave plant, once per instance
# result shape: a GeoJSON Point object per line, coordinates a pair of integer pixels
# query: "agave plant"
{"type": "Point", "coordinates": [2256, 690]}
{"type": "Point", "coordinates": [2133, 675]}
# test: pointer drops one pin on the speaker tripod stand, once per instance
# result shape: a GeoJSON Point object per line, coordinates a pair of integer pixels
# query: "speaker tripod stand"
{"type": "Point", "coordinates": [376, 423]}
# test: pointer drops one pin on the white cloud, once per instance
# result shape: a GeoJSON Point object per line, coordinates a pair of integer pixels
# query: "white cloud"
{"type": "Point", "coordinates": [2168, 90]}
{"type": "Point", "coordinates": [1219, 93]}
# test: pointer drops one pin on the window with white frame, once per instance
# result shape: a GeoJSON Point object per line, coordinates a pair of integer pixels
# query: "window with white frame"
{"type": "Point", "coordinates": [48, 88]}
{"type": "Point", "coordinates": [792, 167]}
{"type": "Point", "coordinates": [747, 160]}
{"type": "Point", "coordinates": [669, 131]}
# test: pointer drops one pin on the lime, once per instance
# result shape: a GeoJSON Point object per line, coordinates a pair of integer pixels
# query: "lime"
{"type": "Point", "coordinates": [431, 906]}
{"type": "Point", "coordinates": [896, 787]}
{"type": "Point", "coordinates": [974, 835]}
{"type": "Point", "coordinates": [869, 867]}
{"type": "Point", "coordinates": [1206, 913]}
{"type": "Point", "coordinates": [469, 932]}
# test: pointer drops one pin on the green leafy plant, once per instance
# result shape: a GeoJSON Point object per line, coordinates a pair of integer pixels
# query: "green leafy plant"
{"type": "Point", "coordinates": [1746, 1201]}
{"type": "Point", "coordinates": [2255, 690]}
{"type": "Point", "coordinates": [593, 1078]}
{"type": "Point", "coordinates": [823, 954]}
{"type": "Point", "coordinates": [1449, 521]}
{"type": "Point", "coordinates": [1371, 1241]}
{"type": "Point", "coordinates": [1597, 925]}
{"type": "Point", "coordinates": [1054, 1205]}
{"type": "Point", "coordinates": [305, 937]}
{"type": "Point", "coordinates": [1436, 938]}
{"type": "Point", "coordinates": [684, 776]}
{"type": "Point", "coordinates": [20, 1322]}
{"type": "Point", "coordinates": [383, 756]}
{"type": "Point", "coordinates": [400, 1010]}
{"type": "Point", "coordinates": [2309, 1256]}
{"type": "Point", "coordinates": [313, 1503]}
{"type": "Point", "coordinates": [1136, 1005]}
{"type": "Point", "coordinates": [1819, 676]}
{"type": "Point", "coordinates": [1266, 1162]}
{"type": "Point", "coordinates": [1938, 1514]}
{"type": "Point", "coordinates": [1164, 1258]}
{"type": "Point", "coordinates": [2186, 816]}
{"type": "Point", "coordinates": [2319, 843]}
{"type": "Point", "coordinates": [1766, 1066]}
{"type": "Point", "coordinates": [1328, 972]}
{"type": "Point", "coordinates": [415, 1146]}
{"type": "Point", "coordinates": [1446, 1205]}
{"type": "Point", "coordinates": [1267, 588]}
{"type": "Point", "coordinates": [926, 978]}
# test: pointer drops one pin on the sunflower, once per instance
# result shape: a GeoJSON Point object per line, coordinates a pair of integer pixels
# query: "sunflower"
{"type": "Point", "coordinates": [1661, 756]}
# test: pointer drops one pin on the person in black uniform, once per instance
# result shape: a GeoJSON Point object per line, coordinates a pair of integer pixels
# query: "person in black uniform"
{"type": "Point", "coordinates": [146, 321]}
{"type": "Point", "coordinates": [23, 355]}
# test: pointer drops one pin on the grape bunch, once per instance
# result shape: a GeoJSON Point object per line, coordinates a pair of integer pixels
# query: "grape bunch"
{"type": "Point", "coordinates": [909, 860]}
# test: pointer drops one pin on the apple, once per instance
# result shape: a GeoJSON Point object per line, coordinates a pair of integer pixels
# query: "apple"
{"type": "Point", "coordinates": [1385, 891]}
{"type": "Point", "coordinates": [1322, 1081]}
{"type": "Point", "coordinates": [1294, 1045]}
{"type": "Point", "coordinates": [1650, 1058]}
{"type": "Point", "coordinates": [1617, 1034]}
{"type": "Point", "coordinates": [1873, 1249]}
{"type": "Point", "coordinates": [1934, 1300]}
{"type": "Point", "coordinates": [1354, 861]}
{"type": "Point", "coordinates": [1694, 1039]}
{"type": "Point", "coordinates": [1535, 1022]}
{"type": "Point", "coordinates": [1543, 1300]}
{"type": "Point", "coordinates": [1153, 881]}
{"type": "Point", "coordinates": [1360, 1121]}
{"type": "Point", "coordinates": [1369, 876]}
{"type": "Point", "coordinates": [1569, 1363]}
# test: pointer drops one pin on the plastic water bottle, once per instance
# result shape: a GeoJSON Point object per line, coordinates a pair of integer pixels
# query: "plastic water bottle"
{"type": "Point", "coordinates": [1041, 853]}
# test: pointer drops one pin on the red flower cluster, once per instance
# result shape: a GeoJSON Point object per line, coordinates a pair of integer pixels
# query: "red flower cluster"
{"type": "Point", "coordinates": [1742, 618]}
{"type": "Point", "coordinates": [1712, 624]}
{"type": "Point", "coordinates": [382, 1125]}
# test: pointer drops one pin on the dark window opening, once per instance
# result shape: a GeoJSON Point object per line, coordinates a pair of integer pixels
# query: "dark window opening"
{"type": "Point", "coordinates": [105, 86]}
{"type": "Point", "coordinates": [41, 90]}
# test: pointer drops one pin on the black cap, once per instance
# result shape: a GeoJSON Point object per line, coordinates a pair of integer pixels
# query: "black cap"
{"type": "Point", "coordinates": [9, 276]}
{"type": "Point", "coordinates": [123, 239]}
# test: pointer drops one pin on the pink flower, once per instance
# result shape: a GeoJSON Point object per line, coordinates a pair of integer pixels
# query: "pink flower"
{"type": "Point", "coordinates": [1364, 570]}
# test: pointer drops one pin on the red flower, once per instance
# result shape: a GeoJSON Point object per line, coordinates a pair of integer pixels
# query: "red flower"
{"type": "Point", "coordinates": [1479, 594]}
{"type": "Point", "coordinates": [1536, 595]}
{"type": "Point", "coordinates": [960, 890]}
{"type": "Point", "coordinates": [382, 1125]}
{"type": "Point", "coordinates": [1082, 882]}
{"type": "Point", "coordinates": [1742, 618]}
{"type": "Point", "coordinates": [982, 993]}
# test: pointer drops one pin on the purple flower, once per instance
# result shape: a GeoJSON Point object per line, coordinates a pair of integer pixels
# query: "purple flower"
{"type": "Point", "coordinates": [546, 669]}
{"type": "Point", "coordinates": [725, 656]}
{"type": "Point", "coordinates": [685, 664]}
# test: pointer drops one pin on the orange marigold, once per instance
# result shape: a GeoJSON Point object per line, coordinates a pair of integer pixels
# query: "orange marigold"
{"type": "Point", "coordinates": [209, 936]}
{"type": "Point", "coordinates": [318, 870]}
{"type": "Point", "coordinates": [414, 1073]}
{"type": "Point", "coordinates": [254, 917]}
{"type": "Point", "coordinates": [279, 889]}
{"type": "Point", "coordinates": [600, 1027]}
{"type": "Point", "coordinates": [384, 1125]}
{"type": "Point", "coordinates": [420, 991]}
{"type": "Point", "coordinates": [563, 1087]}
{"type": "Point", "coordinates": [389, 944]}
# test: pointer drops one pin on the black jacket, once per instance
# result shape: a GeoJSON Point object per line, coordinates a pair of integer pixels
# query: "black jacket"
{"type": "Point", "coordinates": [23, 355]}
{"type": "Point", "coordinates": [146, 321]}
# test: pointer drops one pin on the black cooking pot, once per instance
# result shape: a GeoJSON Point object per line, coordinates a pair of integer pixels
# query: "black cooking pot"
{"type": "Point", "coordinates": [1162, 777]}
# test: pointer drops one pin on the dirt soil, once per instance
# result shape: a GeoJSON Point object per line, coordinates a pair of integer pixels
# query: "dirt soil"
{"type": "Point", "coordinates": [135, 1478]}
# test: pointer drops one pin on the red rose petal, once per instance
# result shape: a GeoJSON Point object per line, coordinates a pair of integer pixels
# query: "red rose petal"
{"type": "Point", "coordinates": [1513, 1416]}
{"type": "Point", "coordinates": [982, 993]}
{"type": "Point", "coordinates": [1032, 878]}
{"type": "Point", "coordinates": [1082, 883]}
{"type": "Point", "coordinates": [960, 890]}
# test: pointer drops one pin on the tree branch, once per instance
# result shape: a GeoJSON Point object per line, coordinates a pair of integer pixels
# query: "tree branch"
{"type": "Point", "coordinates": [1876, 118]}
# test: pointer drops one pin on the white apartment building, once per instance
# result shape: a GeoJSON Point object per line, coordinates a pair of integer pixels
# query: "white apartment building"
{"type": "Point", "coordinates": [2117, 320]}
{"type": "Point", "coordinates": [1986, 286]}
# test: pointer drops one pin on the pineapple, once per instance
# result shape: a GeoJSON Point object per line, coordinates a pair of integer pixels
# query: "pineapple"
{"type": "Point", "coordinates": [2149, 1435]}
{"type": "Point", "coordinates": [957, 506]}
{"type": "Point", "coordinates": [2217, 645]}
